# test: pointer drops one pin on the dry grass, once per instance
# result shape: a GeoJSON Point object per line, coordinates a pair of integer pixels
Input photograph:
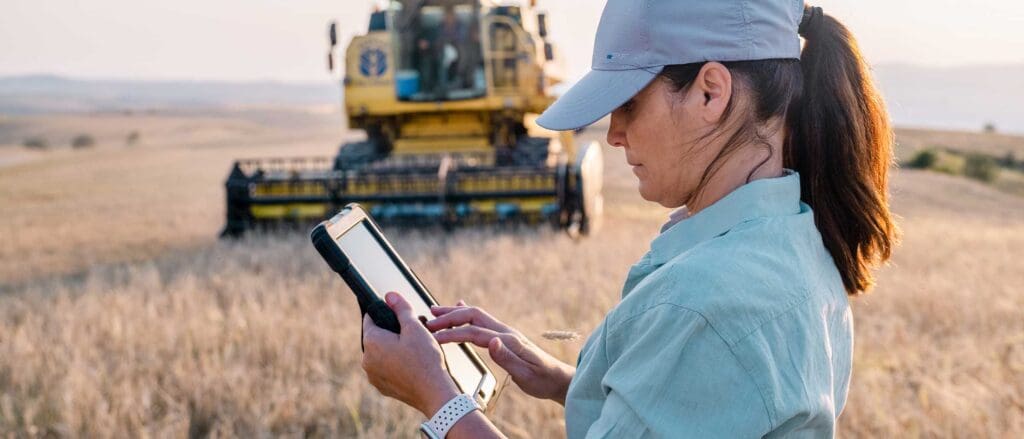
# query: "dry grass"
{"type": "Point", "coordinates": [71, 210]}
{"type": "Point", "coordinates": [940, 345]}
{"type": "Point", "coordinates": [255, 337]}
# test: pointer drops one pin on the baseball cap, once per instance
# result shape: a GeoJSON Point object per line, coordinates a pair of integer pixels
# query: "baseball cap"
{"type": "Point", "coordinates": [636, 39]}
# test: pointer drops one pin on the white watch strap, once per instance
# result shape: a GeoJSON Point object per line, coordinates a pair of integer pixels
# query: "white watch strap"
{"type": "Point", "coordinates": [449, 414]}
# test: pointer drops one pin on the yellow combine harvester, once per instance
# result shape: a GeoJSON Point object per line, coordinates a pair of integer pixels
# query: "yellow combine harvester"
{"type": "Point", "coordinates": [446, 91]}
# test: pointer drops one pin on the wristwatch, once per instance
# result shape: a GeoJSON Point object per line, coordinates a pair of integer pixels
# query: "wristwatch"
{"type": "Point", "coordinates": [437, 427]}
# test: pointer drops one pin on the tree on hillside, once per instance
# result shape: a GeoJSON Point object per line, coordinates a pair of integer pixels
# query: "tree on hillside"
{"type": "Point", "coordinates": [82, 141]}
{"type": "Point", "coordinates": [35, 143]}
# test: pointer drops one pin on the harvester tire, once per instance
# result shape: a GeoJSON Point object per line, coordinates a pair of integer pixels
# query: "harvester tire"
{"type": "Point", "coordinates": [528, 151]}
{"type": "Point", "coordinates": [355, 155]}
{"type": "Point", "coordinates": [589, 202]}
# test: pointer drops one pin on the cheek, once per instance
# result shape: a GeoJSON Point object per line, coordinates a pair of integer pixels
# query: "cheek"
{"type": "Point", "coordinates": [673, 162]}
{"type": "Point", "coordinates": [664, 151]}
{"type": "Point", "coordinates": [664, 140]}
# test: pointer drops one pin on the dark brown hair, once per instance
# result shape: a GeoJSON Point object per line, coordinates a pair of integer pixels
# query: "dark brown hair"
{"type": "Point", "coordinates": [838, 139]}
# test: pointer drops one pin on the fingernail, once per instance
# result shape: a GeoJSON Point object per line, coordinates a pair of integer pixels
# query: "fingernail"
{"type": "Point", "coordinates": [390, 298]}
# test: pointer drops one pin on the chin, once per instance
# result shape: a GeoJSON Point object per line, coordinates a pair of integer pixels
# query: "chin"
{"type": "Point", "coordinates": [660, 198]}
{"type": "Point", "coordinates": [646, 194]}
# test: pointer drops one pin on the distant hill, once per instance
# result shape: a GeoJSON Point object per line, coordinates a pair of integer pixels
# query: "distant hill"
{"type": "Point", "coordinates": [48, 94]}
{"type": "Point", "coordinates": [955, 98]}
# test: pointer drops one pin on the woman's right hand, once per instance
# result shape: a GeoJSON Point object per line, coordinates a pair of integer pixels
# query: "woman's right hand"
{"type": "Point", "coordinates": [536, 372]}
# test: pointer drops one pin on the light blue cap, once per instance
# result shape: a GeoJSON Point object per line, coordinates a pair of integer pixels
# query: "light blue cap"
{"type": "Point", "coordinates": [636, 39]}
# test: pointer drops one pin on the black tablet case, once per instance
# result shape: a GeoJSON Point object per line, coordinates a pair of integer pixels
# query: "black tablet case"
{"type": "Point", "coordinates": [369, 303]}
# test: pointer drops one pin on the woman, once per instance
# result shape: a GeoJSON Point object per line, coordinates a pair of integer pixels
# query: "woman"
{"type": "Point", "coordinates": [736, 323]}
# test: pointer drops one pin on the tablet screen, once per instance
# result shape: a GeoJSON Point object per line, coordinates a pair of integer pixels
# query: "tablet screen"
{"type": "Point", "coordinates": [382, 274]}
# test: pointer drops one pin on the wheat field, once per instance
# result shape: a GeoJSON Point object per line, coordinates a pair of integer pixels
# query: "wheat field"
{"type": "Point", "coordinates": [121, 315]}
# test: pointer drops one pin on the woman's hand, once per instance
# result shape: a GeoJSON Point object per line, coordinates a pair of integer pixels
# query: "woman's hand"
{"type": "Point", "coordinates": [536, 372]}
{"type": "Point", "coordinates": [408, 366]}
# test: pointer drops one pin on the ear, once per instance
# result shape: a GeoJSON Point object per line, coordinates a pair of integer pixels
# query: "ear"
{"type": "Point", "coordinates": [712, 90]}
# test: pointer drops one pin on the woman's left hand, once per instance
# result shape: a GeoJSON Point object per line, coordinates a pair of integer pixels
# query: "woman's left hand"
{"type": "Point", "coordinates": [408, 366]}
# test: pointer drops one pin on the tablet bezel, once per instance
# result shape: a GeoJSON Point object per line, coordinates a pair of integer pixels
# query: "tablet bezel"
{"type": "Point", "coordinates": [354, 214]}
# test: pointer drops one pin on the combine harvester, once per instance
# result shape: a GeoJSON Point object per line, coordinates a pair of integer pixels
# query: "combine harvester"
{"type": "Point", "coordinates": [446, 91]}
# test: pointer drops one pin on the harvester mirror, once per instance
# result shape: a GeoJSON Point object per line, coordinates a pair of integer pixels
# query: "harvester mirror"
{"type": "Point", "coordinates": [549, 52]}
{"type": "Point", "coordinates": [332, 34]}
{"type": "Point", "coordinates": [542, 25]}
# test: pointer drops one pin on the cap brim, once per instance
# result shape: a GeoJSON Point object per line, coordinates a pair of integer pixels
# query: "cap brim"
{"type": "Point", "coordinates": [599, 92]}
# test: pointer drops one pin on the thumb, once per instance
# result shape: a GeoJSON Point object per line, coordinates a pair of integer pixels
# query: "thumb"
{"type": "Point", "coordinates": [402, 309]}
{"type": "Point", "coordinates": [507, 359]}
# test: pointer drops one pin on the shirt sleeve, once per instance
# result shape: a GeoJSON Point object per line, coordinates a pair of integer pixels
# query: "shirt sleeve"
{"type": "Point", "coordinates": [671, 375]}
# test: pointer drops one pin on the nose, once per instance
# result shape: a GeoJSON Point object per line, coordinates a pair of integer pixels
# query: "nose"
{"type": "Point", "coordinates": [616, 131]}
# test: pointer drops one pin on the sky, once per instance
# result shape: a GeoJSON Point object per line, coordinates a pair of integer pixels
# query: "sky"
{"type": "Point", "coordinates": [285, 40]}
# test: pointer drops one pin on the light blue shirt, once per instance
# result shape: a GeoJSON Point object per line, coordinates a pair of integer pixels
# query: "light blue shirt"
{"type": "Point", "coordinates": [735, 325]}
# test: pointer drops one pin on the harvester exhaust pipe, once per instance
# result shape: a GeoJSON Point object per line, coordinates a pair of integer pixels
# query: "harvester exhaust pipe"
{"type": "Point", "coordinates": [332, 38]}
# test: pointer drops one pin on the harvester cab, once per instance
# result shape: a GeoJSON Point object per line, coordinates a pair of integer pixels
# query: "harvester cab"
{"type": "Point", "coordinates": [447, 92]}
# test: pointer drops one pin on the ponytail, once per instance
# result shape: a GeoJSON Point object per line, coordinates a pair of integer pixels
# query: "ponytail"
{"type": "Point", "coordinates": [838, 139]}
{"type": "Point", "coordinates": [840, 142]}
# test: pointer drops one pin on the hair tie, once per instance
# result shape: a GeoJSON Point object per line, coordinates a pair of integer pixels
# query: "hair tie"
{"type": "Point", "coordinates": [812, 18]}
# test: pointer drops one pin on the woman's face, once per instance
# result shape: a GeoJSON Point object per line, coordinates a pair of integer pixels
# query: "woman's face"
{"type": "Point", "coordinates": [663, 134]}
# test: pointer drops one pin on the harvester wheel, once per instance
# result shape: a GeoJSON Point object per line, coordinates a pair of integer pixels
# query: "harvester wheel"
{"type": "Point", "coordinates": [355, 155]}
{"type": "Point", "coordinates": [528, 151]}
{"type": "Point", "coordinates": [588, 202]}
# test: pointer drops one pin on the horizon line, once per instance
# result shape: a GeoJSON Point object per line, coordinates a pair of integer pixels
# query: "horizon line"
{"type": "Point", "coordinates": [332, 79]}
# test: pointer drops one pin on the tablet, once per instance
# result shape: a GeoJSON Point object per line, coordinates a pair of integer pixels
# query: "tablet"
{"type": "Point", "coordinates": [355, 248]}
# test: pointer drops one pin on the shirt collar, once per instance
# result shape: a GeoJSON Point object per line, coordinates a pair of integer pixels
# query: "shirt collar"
{"type": "Point", "coordinates": [766, 197]}
{"type": "Point", "coordinates": [675, 217]}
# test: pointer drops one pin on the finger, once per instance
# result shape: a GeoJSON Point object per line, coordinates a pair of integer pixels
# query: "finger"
{"type": "Point", "coordinates": [507, 359]}
{"type": "Point", "coordinates": [466, 334]}
{"type": "Point", "coordinates": [441, 310]}
{"type": "Point", "coordinates": [515, 345]}
{"type": "Point", "coordinates": [403, 310]}
{"type": "Point", "coordinates": [438, 310]}
{"type": "Point", "coordinates": [467, 316]}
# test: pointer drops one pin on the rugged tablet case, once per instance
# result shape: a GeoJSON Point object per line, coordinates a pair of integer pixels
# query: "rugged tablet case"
{"type": "Point", "coordinates": [369, 303]}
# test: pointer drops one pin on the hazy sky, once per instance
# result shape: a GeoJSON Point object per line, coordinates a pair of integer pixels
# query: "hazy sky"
{"type": "Point", "coordinates": [286, 39]}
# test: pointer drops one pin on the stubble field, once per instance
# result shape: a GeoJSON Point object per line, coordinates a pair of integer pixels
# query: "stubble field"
{"type": "Point", "coordinates": [121, 314]}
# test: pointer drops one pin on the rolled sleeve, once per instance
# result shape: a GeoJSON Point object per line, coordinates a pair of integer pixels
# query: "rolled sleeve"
{"type": "Point", "coordinates": [671, 375]}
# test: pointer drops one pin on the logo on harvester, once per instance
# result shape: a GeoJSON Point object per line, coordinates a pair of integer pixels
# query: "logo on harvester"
{"type": "Point", "coordinates": [373, 62]}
